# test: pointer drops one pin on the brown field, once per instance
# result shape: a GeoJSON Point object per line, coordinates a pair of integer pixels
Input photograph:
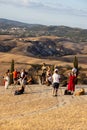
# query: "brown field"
{"type": "Point", "coordinates": [25, 61]}
{"type": "Point", "coordinates": [18, 53]}
{"type": "Point", "coordinates": [37, 109]}
{"type": "Point", "coordinates": [5, 58]}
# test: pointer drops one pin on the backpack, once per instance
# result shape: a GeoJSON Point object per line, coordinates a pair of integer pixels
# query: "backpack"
{"type": "Point", "coordinates": [66, 92]}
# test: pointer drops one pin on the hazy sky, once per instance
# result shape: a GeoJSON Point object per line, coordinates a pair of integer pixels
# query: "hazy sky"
{"type": "Point", "coordinates": [71, 13]}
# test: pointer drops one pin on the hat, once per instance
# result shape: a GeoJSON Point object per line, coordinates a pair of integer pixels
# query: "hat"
{"type": "Point", "coordinates": [56, 70]}
{"type": "Point", "coordinates": [74, 70]}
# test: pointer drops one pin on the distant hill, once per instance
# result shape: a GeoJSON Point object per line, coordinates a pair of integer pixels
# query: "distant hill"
{"type": "Point", "coordinates": [40, 40]}
{"type": "Point", "coordinates": [48, 47]}
{"type": "Point", "coordinates": [23, 30]}
{"type": "Point", "coordinates": [11, 23]}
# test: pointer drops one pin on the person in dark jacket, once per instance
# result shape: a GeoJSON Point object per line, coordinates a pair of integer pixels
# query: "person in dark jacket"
{"type": "Point", "coordinates": [19, 91]}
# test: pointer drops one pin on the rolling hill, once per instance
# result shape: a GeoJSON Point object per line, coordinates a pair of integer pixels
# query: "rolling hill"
{"type": "Point", "coordinates": [55, 44]}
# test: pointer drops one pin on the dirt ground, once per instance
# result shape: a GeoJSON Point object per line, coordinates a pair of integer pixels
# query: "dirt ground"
{"type": "Point", "coordinates": [37, 109]}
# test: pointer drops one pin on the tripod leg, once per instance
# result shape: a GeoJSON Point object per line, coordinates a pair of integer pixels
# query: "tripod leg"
{"type": "Point", "coordinates": [29, 87]}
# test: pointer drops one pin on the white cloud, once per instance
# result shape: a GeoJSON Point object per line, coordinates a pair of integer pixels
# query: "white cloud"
{"type": "Point", "coordinates": [25, 2]}
{"type": "Point", "coordinates": [69, 12]}
{"type": "Point", "coordinates": [48, 5]}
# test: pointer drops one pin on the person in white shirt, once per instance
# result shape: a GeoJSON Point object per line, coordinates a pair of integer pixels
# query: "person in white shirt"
{"type": "Point", "coordinates": [7, 80]}
{"type": "Point", "coordinates": [23, 77]}
{"type": "Point", "coordinates": [55, 82]}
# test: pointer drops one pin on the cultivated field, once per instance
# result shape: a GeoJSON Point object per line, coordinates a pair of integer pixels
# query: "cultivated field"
{"type": "Point", "coordinates": [37, 109]}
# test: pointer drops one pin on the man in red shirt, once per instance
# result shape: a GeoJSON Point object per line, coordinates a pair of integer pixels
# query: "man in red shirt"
{"type": "Point", "coordinates": [15, 76]}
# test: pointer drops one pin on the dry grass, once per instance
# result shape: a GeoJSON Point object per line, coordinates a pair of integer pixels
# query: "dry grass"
{"type": "Point", "coordinates": [19, 52]}
{"type": "Point", "coordinates": [5, 37]}
{"type": "Point", "coordinates": [6, 58]}
{"type": "Point", "coordinates": [38, 110]}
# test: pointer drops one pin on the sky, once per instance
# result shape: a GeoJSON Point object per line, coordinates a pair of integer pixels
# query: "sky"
{"type": "Point", "coordinates": [72, 13]}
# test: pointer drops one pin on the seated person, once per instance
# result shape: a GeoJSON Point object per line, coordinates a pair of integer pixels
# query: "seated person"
{"type": "Point", "coordinates": [49, 80]}
{"type": "Point", "coordinates": [19, 91]}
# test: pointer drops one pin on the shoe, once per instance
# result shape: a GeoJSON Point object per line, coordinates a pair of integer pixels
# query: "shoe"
{"type": "Point", "coordinates": [55, 95]}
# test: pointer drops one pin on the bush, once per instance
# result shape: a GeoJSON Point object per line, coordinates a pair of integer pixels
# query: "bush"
{"type": "Point", "coordinates": [82, 79]}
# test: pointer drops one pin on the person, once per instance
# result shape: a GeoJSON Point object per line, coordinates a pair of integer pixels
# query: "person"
{"type": "Point", "coordinates": [15, 76]}
{"type": "Point", "coordinates": [71, 82]}
{"type": "Point", "coordinates": [55, 82]}
{"type": "Point", "coordinates": [74, 70]}
{"type": "Point", "coordinates": [23, 77]}
{"type": "Point", "coordinates": [49, 80]}
{"type": "Point", "coordinates": [19, 91]}
{"type": "Point", "coordinates": [8, 71]}
{"type": "Point", "coordinates": [44, 67]}
{"type": "Point", "coordinates": [6, 80]}
{"type": "Point", "coordinates": [43, 75]}
{"type": "Point", "coordinates": [48, 71]}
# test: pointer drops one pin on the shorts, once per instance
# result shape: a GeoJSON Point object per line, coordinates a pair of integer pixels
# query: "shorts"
{"type": "Point", "coordinates": [56, 85]}
{"type": "Point", "coordinates": [24, 82]}
{"type": "Point", "coordinates": [15, 79]}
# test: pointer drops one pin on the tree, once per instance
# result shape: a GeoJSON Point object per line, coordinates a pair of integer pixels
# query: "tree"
{"type": "Point", "coordinates": [75, 62]}
{"type": "Point", "coordinates": [12, 69]}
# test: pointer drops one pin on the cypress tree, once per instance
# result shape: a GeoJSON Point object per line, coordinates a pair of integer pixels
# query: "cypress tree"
{"type": "Point", "coordinates": [12, 69]}
{"type": "Point", "coordinates": [75, 62]}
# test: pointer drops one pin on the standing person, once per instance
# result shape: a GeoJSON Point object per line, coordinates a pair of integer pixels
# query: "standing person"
{"type": "Point", "coordinates": [74, 70]}
{"type": "Point", "coordinates": [71, 82]}
{"type": "Point", "coordinates": [6, 80]}
{"type": "Point", "coordinates": [8, 71]}
{"type": "Point", "coordinates": [56, 81]}
{"type": "Point", "coordinates": [23, 77]}
{"type": "Point", "coordinates": [43, 75]}
{"type": "Point", "coordinates": [48, 71]}
{"type": "Point", "coordinates": [15, 76]}
{"type": "Point", "coordinates": [48, 76]}
{"type": "Point", "coordinates": [44, 67]}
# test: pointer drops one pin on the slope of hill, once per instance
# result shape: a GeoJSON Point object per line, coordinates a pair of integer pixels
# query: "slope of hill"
{"type": "Point", "coordinates": [40, 41]}
{"type": "Point", "coordinates": [42, 47]}
{"type": "Point", "coordinates": [24, 30]}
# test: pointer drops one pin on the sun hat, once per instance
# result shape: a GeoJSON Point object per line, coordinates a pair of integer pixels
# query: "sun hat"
{"type": "Point", "coordinates": [74, 70]}
{"type": "Point", "coordinates": [56, 70]}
